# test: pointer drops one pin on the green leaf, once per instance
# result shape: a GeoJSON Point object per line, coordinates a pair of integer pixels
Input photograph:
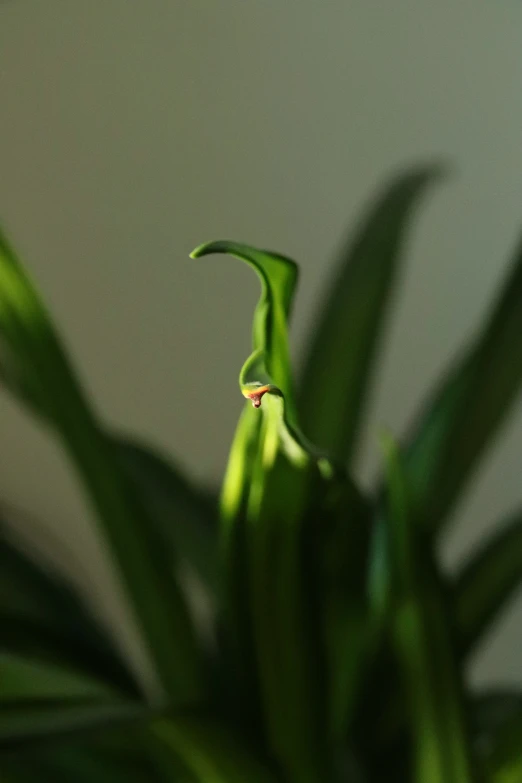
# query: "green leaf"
{"type": "Point", "coordinates": [421, 635]}
{"type": "Point", "coordinates": [35, 640]}
{"type": "Point", "coordinates": [24, 677]}
{"type": "Point", "coordinates": [123, 751]}
{"type": "Point", "coordinates": [290, 481]}
{"type": "Point", "coordinates": [334, 384]}
{"type": "Point", "coordinates": [278, 275]}
{"type": "Point", "coordinates": [487, 581]}
{"type": "Point", "coordinates": [498, 734]}
{"type": "Point", "coordinates": [468, 408]}
{"type": "Point", "coordinates": [275, 479]}
{"type": "Point", "coordinates": [28, 722]}
{"type": "Point", "coordinates": [490, 712]}
{"type": "Point", "coordinates": [255, 382]}
{"type": "Point", "coordinates": [184, 515]}
{"type": "Point", "coordinates": [40, 614]}
{"type": "Point", "coordinates": [210, 752]}
{"type": "Point", "coordinates": [34, 350]}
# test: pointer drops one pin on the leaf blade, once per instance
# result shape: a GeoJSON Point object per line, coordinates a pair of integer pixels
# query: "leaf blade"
{"type": "Point", "coordinates": [41, 614]}
{"type": "Point", "coordinates": [422, 641]}
{"type": "Point", "coordinates": [210, 752]}
{"type": "Point", "coordinates": [487, 581]}
{"type": "Point", "coordinates": [278, 275]}
{"type": "Point", "coordinates": [143, 566]}
{"type": "Point", "coordinates": [498, 726]}
{"type": "Point", "coordinates": [34, 722]}
{"type": "Point", "coordinates": [184, 515]}
{"type": "Point", "coordinates": [337, 368]}
{"type": "Point", "coordinates": [453, 430]}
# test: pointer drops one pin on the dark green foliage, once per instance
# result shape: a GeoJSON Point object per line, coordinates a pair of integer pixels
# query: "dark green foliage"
{"type": "Point", "coordinates": [338, 646]}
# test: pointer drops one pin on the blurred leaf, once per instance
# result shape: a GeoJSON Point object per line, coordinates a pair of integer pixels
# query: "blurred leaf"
{"type": "Point", "coordinates": [33, 348]}
{"type": "Point", "coordinates": [183, 515]}
{"type": "Point", "coordinates": [490, 712]}
{"type": "Point", "coordinates": [421, 634]}
{"type": "Point", "coordinates": [95, 762]}
{"type": "Point", "coordinates": [498, 735]}
{"type": "Point", "coordinates": [186, 516]}
{"type": "Point", "coordinates": [345, 539]}
{"type": "Point", "coordinates": [467, 409]}
{"type": "Point", "coordinates": [22, 677]}
{"type": "Point", "coordinates": [37, 719]}
{"type": "Point", "coordinates": [210, 752]}
{"type": "Point", "coordinates": [42, 616]}
{"type": "Point", "coordinates": [487, 581]}
{"type": "Point", "coordinates": [265, 539]}
{"type": "Point", "coordinates": [34, 640]}
{"type": "Point", "coordinates": [337, 369]}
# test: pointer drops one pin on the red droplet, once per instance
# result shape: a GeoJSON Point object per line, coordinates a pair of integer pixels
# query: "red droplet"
{"type": "Point", "coordinates": [256, 400]}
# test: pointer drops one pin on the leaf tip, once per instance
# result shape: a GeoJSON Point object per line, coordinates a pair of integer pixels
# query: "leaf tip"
{"type": "Point", "coordinates": [216, 246]}
{"type": "Point", "coordinates": [198, 251]}
{"type": "Point", "coordinates": [256, 394]}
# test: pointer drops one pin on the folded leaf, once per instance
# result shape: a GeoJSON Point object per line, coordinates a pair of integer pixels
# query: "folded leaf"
{"type": "Point", "coordinates": [334, 385]}
{"type": "Point", "coordinates": [291, 481]}
{"type": "Point", "coordinates": [34, 350]}
{"type": "Point", "coordinates": [271, 634]}
{"type": "Point", "coordinates": [255, 382]}
{"type": "Point", "coordinates": [421, 634]}
{"type": "Point", "coordinates": [487, 581]}
{"type": "Point", "coordinates": [284, 479]}
{"type": "Point", "coordinates": [468, 408]}
{"type": "Point", "coordinates": [278, 277]}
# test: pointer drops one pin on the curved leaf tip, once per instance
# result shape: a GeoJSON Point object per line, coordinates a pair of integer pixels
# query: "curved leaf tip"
{"type": "Point", "coordinates": [256, 395]}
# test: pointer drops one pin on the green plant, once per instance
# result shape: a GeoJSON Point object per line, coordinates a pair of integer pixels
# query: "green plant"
{"type": "Point", "coordinates": [338, 647]}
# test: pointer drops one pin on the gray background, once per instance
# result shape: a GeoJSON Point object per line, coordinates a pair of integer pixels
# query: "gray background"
{"type": "Point", "coordinates": [132, 131]}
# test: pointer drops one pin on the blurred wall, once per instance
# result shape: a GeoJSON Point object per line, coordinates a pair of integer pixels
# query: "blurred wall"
{"type": "Point", "coordinates": [132, 131]}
